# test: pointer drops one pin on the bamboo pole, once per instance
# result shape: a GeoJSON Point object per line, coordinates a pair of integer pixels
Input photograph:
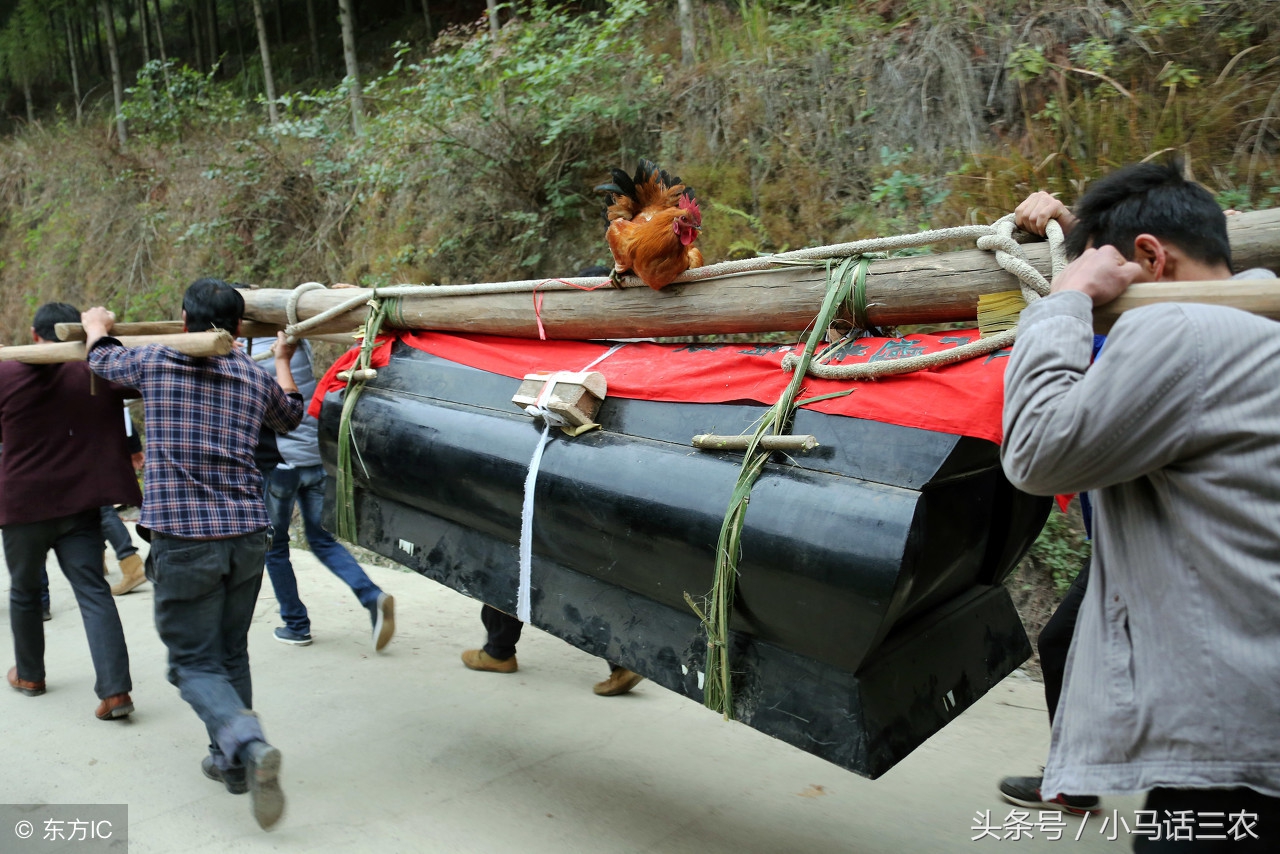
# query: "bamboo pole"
{"type": "Point", "coordinates": [937, 288]}
{"type": "Point", "coordinates": [216, 342]}
{"type": "Point", "coordinates": [787, 442]}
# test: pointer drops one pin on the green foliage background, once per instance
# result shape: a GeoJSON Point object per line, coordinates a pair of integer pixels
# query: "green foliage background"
{"type": "Point", "coordinates": [800, 124]}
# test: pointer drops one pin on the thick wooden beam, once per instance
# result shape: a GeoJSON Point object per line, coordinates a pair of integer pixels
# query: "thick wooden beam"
{"type": "Point", "coordinates": [936, 288]}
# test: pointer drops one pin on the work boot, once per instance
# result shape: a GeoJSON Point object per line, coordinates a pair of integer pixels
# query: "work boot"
{"type": "Point", "coordinates": [113, 707]}
{"type": "Point", "coordinates": [478, 659]}
{"type": "Point", "coordinates": [133, 575]}
{"type": "Point", "coordinates": [25, 686]}
{"type": "Point", "coordinates": [233, 778]}
{"type": "Point", "coordinates": [620, 681]}
{"type": "Point", "coordinates": [262, 770]}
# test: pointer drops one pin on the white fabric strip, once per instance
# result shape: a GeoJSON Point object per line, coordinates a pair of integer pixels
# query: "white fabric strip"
{"type": "Point", "coordinates": [550, 419]}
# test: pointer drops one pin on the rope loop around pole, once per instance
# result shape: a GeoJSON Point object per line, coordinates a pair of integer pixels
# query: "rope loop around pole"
{"type": "Point", "coordinates": [997, 238]}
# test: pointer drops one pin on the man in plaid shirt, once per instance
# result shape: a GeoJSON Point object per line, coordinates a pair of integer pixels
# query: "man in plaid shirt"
{"type": "Point", "coordinates": [202, 505]}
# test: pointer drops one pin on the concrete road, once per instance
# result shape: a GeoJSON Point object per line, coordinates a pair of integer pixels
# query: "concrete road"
{"type": "Point", "coordinates": [408, 751]}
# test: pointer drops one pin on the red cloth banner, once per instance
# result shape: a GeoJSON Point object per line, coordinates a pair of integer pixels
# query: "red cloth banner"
{"type": "Point", "coordinates": [962, 399]}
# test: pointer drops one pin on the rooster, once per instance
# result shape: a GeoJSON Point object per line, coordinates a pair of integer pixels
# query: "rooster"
{"type": "Point", "coordinates": [653, 221]}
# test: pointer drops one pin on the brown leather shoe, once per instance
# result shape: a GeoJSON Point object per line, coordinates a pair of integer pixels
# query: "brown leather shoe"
{"type": "Point", "coordinates": [31, 689]}
{"type": "Point", "coordinates": [132, 574]}
{"type": "Point", "coordinates": [620, 681]}
{"type": "Point", "coordinates": [478, 659]}
{"type": "Point", "coordinates": [115, 706]}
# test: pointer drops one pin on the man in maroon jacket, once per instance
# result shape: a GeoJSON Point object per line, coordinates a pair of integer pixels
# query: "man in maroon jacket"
{"type": "Point", "coordinates": [64, 458]}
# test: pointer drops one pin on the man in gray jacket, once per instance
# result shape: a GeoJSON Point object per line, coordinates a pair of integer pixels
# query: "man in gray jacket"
{"type": "Point", "coordinates": [299, 479]}
{"type": "Point", "coordinates": [1173, 678]}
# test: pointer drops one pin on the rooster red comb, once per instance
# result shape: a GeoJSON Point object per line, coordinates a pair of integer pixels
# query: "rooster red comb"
{"type": "Point", "coordinates": [689, 203]}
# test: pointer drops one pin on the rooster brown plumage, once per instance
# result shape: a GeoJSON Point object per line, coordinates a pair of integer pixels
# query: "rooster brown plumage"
{"type": "Point", "coordinates": [653, 221]}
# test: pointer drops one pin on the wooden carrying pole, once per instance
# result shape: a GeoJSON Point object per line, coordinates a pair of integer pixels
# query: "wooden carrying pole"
{"type": "Point", "coordinates": [248, 329]}
{"type": "Point", "coordinates": [75, 332]}
{"type": "Point", "coordinates": [937, 288]}
{"type": "Point", "coordinates": [1258, 296]}
{"type": "Point", "coordinates": [217, 342]}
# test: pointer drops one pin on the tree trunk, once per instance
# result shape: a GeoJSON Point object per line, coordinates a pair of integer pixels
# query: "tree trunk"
{"type": "Point", "coordinates": [71, 58]}
{"type": "Point", "coordinates": [353, 69]}
{"type": "Point", "coordinates": [279, 24]}
{"type": "Point", "coordinates": [128, 21]}
{"type": "Point", "coordinates": [426, 17]}
{"type": "Point", "coordinates": [81, 40]}
{"type": "Point", "coordinates": [117, 79]}
{"type": "Point", "coordinates": [142, 28]}
{"type": "Point", "coordinates": [26, 96]}
{"type": "Point", "coordinates": [193, 32]}
{"type": "Point", "coordinates": [493, 18]}
{"type": "Point", "coordinates": [261, 22]}
{"type": "Point", "coordinates": [97, 46]}
{"type": "Point", "coordinates": [688, 42]}
{"type": "Point", "coordinates": [211, 21]}
{"type": "Point", "coordinates": [164, 59]}
{"type": "Point", "coordinates": [315, 37]}
{"type": "Point", "coordinates": [235, 19]}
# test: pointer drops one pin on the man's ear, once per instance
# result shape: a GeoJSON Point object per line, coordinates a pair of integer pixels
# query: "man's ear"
{"type": "Point", "coordinates": [184, 320]}
{"type": "Point", "coordinates": [1151, 255]}
{"type": "Point", "coordinates": [239, 323]}
{"type": "Point", "coordinates": [35, 336]}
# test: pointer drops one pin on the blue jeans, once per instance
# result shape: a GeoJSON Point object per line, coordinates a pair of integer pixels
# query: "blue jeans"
{"type": "Point", "coordinates": [115, 533]}
{"type": "Point", "coordinates": [77, 542]}
{"type": "Point", "coordinates": [305, 486]}
{"type": "Point", "coordinates": [205, 593]}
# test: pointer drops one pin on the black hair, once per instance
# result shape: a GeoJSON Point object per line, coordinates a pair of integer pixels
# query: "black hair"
{"type": "Point", "coordinates": [49, 315]}
{"type": "Point", "coordinates": [212, 304]}
{"type": "Point", "coordinates": [1155, 199]}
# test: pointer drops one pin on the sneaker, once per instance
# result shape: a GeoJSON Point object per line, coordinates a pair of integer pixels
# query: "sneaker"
{"type": "Point", "coordinates": [284, 634]}
{"type": "Point", "coordinates": [620, 681]}
{"type": "Point", "coordinates": [1025, 792]}
{"type": "Point", "coordinates": [232, 778]}
{"type": "Point", "coordinates": [478, 659]}
{"type": "Point", "coordinates": [383, 613]}
{"type": "Point", "coordinates": [262, 770]}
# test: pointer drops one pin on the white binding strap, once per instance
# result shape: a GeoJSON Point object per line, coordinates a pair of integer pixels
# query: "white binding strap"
{"type": "Point", "coordinates": [550, 419]}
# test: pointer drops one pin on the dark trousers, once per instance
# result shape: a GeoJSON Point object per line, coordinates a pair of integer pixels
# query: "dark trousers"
{"type": "Point", "coordinates": [114, 532]}
{"type": "Point", "coordinates": [1055, 639]}
{"type": "Point", "coordinates": [205, 593]}
{"type": "Point", "coordinates": [503, 632]}
{"type": "Point", "coordinates": [77, 542]}
{"type": "Point", "coordinates": [1211, 813]}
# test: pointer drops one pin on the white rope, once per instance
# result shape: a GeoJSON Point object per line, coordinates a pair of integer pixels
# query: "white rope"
{"type": "Point", "coordinates": [550, 419]}
{"type": "Point", "coordinates": [997, 238]}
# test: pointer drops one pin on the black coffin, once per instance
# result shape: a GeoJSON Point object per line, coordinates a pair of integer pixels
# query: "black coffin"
{"type": "Point", "coordinates": [869, 610]}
